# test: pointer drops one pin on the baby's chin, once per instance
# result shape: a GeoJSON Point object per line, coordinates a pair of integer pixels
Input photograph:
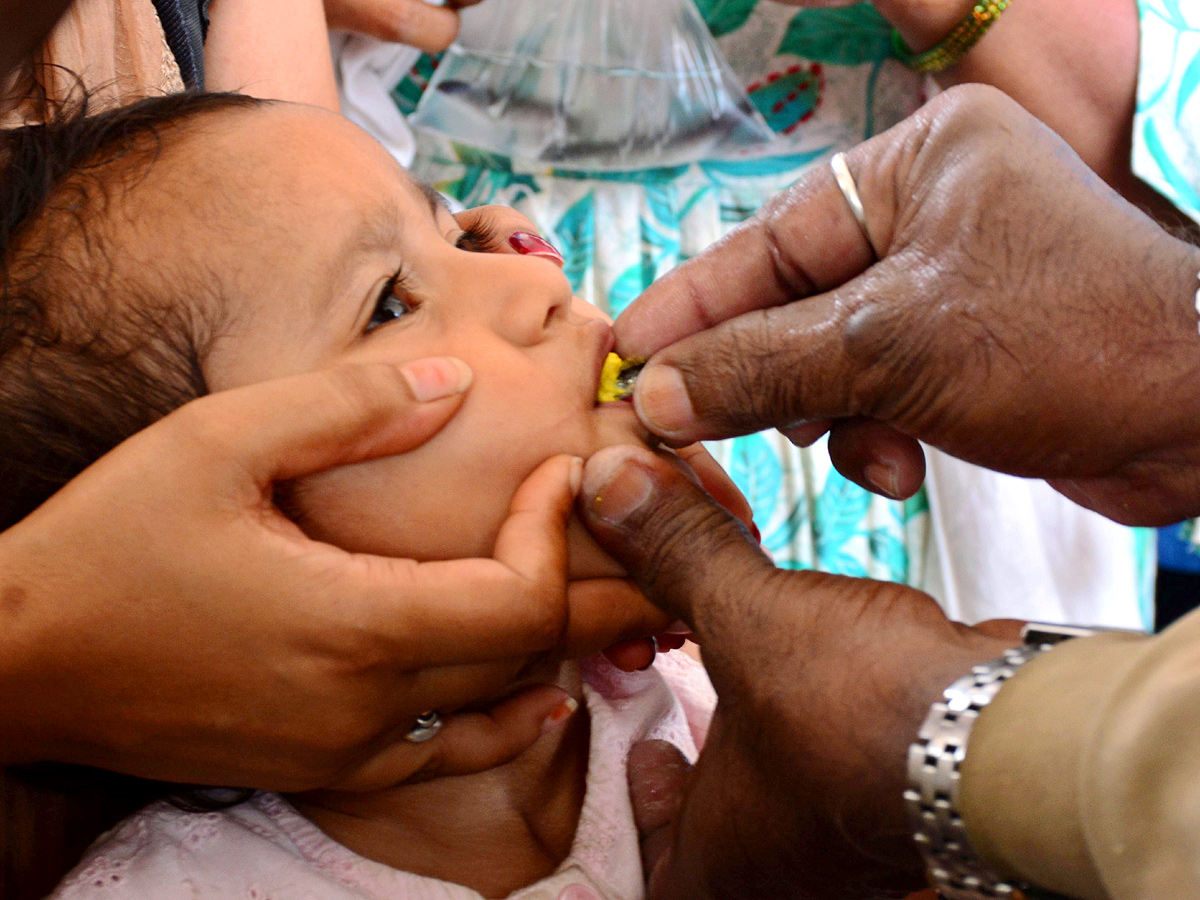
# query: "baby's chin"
{"type": "Point", "coordinates": [585, 559]}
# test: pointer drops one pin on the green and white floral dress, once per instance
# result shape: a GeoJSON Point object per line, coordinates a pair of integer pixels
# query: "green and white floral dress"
{"type": "Point", "coordinates": [824, 79]}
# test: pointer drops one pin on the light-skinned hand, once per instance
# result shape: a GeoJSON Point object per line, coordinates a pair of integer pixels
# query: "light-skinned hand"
{"type": "Point", "coordinates": [161, 617]}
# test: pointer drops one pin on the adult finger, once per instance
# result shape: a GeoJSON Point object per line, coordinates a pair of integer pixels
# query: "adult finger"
{"type": "Point", "coordinates": [877, 457]}
{"type": "Point", "coordinates": [633, 656]}
{"type": "Point", "coordinates": [771, 259]}
{"type": "Point", "coordinates": [413, 22]}
{"type": "Point", "coordinates": [786, 366]}
{"type": "Point", "coordinates": [468, 742]}
{"type": "Point", "coordinates": [604, 611]}
{"type": "Point", "coordinates": [657, 772]}
{"type": "Point", "coordinates": [717, 482]}
{"type": "Point", "coordinates": [678, 545]}
{"type": "Point", "coordinates": [289, 427]}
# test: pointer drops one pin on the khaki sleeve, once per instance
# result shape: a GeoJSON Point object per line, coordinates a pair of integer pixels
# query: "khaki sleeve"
{"type": "Point", "coordinates": [1083, 774]}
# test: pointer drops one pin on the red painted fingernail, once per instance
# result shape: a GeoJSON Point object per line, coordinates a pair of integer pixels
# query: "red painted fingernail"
{"type": "Point", "coordinates": [529, 244]}
{"type": "Point", "coordinates": [559, 714]}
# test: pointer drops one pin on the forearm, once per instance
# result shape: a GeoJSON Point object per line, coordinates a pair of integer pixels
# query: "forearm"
{"type": "Point", "coordinates": [276, 49]}
{"type": "Point", "coordinates": [1072, 63]}
{"type": "Point", "coordinates": [1080, 776]}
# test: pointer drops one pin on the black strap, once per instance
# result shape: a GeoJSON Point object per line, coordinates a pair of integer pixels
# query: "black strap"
{"type": "Point", "coordinates": [185, 23]}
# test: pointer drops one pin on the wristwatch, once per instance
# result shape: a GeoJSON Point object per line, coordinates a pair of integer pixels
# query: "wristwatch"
{"type": "Point", "coordinates": [934, 763]}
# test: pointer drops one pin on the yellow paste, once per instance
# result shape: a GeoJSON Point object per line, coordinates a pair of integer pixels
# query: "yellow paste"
{"type": "Point", "coordinates": [611, 386]}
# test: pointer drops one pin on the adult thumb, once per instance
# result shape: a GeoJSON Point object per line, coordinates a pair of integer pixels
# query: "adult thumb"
{"type": "Point", "coordinates": [684, 550]}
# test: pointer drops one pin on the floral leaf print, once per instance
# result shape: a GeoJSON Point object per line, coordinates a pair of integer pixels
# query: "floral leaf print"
{"type": "Point", "coordinates": [756, 470]}
{"type": "Point", "coordinates": [1188, 82]}
{"type": "Point", "coordinates": [846, 36]}
{"type": "Point", "coordinates": [484, 176]}
{"type": "Point", "coordinates": [840, 512]}
{"type": "Point", "coordinates": [724, 16]}
{"type": "Point", "coordinates": [630, 283]}
{"type": "Point", "coordinates": [888, 551]}
{"type": "Point", "coordinates": [789, 97]}
{"type": "Point", "coordinates": [658, 234]}
{"type": "Point", "coordinates": [1179, 183]}
{"type": "Point", "coordinates": [575, 232]}
{"type": "Point", "coordinates": [407, 94]}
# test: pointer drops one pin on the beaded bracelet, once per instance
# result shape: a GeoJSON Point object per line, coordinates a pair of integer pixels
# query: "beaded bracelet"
{"type": "Point", "coordinates": [965, 35]}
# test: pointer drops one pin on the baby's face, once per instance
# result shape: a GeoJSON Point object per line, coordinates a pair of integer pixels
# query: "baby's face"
{"type": "Point", "coordinates": [316, 224]}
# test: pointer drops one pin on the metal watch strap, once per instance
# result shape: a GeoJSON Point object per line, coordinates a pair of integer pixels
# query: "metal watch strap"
{"type": "Point", "coordinates": [934, 762]}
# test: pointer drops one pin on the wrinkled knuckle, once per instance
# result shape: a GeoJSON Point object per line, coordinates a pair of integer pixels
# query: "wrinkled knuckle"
{"type": "Point", "coordinates": [781, 240]}
{"type": "Point", "coordinates": [968, 107]}
{"type": "Point", "coordinates": [735, 383]}
{"type": "Point", "coordinates": [770, 386]}
{"type": "Point", "coordinates": [701, 533]}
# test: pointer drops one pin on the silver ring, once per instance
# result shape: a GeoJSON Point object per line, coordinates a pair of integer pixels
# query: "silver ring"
{"type": "Point", "coordinates": [845, 183]}
{"type": "Point", "coordinates": [428, 724]}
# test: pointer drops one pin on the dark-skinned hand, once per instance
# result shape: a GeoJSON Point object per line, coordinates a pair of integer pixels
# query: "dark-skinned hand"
{"type": "Point", "coordinates": [822, 683]}
{"type": "Point", "coordinates": [1008, 308]}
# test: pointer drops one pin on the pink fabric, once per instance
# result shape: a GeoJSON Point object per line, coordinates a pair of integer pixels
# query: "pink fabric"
{"type": "Point", "coordinates": [264, 850]}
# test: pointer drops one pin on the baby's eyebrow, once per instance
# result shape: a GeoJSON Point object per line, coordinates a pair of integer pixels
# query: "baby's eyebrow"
{"type": "Point", "coordinates": [437, 203]}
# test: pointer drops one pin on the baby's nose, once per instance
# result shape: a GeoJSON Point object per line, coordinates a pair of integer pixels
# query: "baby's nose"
{"type": "Point", "coordinates": [527, 300]}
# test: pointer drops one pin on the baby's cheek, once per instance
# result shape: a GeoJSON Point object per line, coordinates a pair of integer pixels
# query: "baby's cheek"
{"type": "Point", "coordinates": [585, 559]}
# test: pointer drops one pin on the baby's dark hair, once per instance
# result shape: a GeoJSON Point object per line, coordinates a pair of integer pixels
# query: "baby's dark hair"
{"type": "Point", "coordinates": [87, 358]}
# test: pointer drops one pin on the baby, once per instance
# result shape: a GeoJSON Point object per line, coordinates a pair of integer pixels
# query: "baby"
{"type": "Point", "coordinates": [196, 244]}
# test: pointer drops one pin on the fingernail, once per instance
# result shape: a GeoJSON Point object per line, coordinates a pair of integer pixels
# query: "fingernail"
{"type": "Point", "coordinates": [754, 531]}
{"type": "Point", "coordinates": [528, 244]}
{"type": "Point", "coordinates": [576, 476]}
{"type": "Point", "coordinates": [559, 714]}
{"type": "Point", "coordinates": [436, 377]}
{"type": "Point", "coordinates": [677, 627]}
{"type": "Point", "coordinates": [884, 477]}
{"type": "Point", "coordinates": [662, 401]}
{"type": "Point", "coordinates": [614, 486]}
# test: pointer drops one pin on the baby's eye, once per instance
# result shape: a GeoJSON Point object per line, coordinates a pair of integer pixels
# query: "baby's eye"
{"type": "Point", "coordinates": [393, 303]}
